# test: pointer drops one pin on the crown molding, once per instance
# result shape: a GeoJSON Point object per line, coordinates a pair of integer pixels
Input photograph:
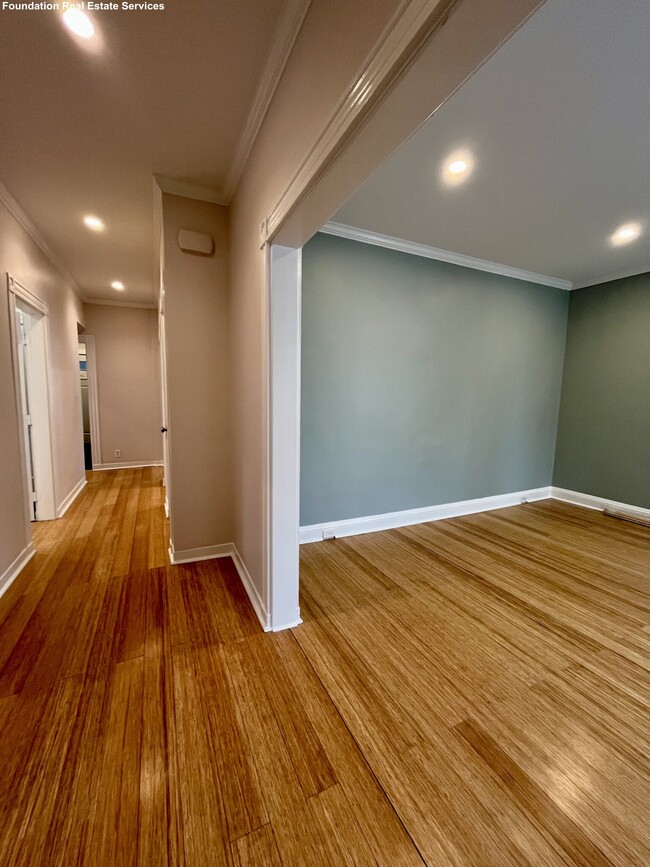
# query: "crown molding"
{"type": "Point", "coordinates": [412, 24]}
{"type": "Point", "coordinates": [190, 191]}
{"type": "Point", "coordinates": [100, 302]}
{"type": "Point", "coordinates": [621, 275]}
{"type": "Point", "coordinates": [34, 233]}
{"type": "Point", "coordinates": [285, 36]}
{"type": "Point", "coordinates": [367, 237]}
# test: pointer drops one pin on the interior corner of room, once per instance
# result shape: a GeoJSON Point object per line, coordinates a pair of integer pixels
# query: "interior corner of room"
{"type": "Point", "coordinates": [431, 389]}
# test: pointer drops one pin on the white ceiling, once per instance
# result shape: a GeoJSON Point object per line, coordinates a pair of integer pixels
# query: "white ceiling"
{"type": "Point", "coordinates": [81, 133]}
{"type": "Point", "coordinates": [559, 123]}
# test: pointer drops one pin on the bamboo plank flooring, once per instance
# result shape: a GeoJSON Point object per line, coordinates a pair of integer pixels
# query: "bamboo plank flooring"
{"type": "Point", "coordinates": [467, 692]}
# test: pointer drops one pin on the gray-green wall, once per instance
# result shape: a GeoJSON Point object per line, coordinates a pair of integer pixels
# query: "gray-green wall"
{"type": "Point", "coordinates": [422, 382]}
{"type": "Point", "coordinates": [603, 444]}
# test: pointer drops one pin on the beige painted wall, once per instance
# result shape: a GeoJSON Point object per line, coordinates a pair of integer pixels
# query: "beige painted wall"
{"type": "Point", "coordinates": [128, 382]}
{"type": "Point", "coordinates": [292, 124]}
{"type": "Point", "coordinates": [24, 260]}
{"type": "Point", "coordinates": [198, 378]}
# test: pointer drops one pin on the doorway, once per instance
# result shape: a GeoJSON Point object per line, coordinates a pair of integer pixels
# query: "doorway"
{"type": "Point", "coordinates": [89, 400]}
{"type": "Point", "coordinates": [380, 111]}
{"type": "Point", "coordinates": [29, 330]}
{"type": "Point", "coordinates": [85, 408]}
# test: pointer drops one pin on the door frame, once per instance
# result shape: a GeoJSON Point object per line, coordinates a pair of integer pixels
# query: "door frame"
{"type": "Point", "coordinates": [93, 398]}
{"type": "Point", "coordinates": [162, 340]}
{"type": "Point", "coordinates": [283, 271]}
{"type": "Point", "coordinates": [46, 474]}
{"type": "Point", "coordinates": [419, 63]}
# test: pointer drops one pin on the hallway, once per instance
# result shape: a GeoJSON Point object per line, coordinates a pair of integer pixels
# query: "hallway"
{"type": "Point", "coordinates": [467, 692]}
{"type": "Point", "coordinates": [132, 703]}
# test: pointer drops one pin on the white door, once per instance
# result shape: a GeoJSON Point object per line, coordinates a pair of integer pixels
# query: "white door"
{"type": "Point", "coordinates": [32, 384]}
{"type": "Point", "coordinates": [23, 365]}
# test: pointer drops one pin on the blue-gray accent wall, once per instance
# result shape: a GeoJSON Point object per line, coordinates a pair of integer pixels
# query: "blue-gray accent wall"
{"type": "Point", "coordinates": [603, 444]}
{"type": "Point", "coordinates": [422, 382]}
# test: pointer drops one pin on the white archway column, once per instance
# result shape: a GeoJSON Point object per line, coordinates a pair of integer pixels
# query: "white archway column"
{"type": "Point", "coordinates": [284, 297]}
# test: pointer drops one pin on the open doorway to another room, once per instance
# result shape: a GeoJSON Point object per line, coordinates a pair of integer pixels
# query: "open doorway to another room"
{"type": "Point", "coordinates": [85, 412]}
{"type": "Point", "coordinates": [454, 320]}
{"type": "Point", "coordinates": [89, 403]}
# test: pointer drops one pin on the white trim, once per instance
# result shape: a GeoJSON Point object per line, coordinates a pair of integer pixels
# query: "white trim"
{"type": "Point", "coordinates": [228, 549]}
{"type": "Point", "coordinates": [27, 296]}
{"type": "Point", "coordinates": [14, 569]}
{"type": "Point", "coordinates": [598, 503]}
{"type": "Point", "coordinates": [72, 496]}
{"type": "Point", "coordinates": [285, 35]}
{"type": "Point", "coordinates": [256, 600]}
{"type": "Point", "coordinates": [105, 302]}
{"type": "Point", "coordinates": [29, 226]}
{"type": "Point", "coordinates": [367, 237]}
{"type": "Point", "coordinates": [17, 290]}
{"type": "Point", "coordinates": [394, 520]}
{"type": "Point", "coordinates": [283, 370]}
{"type": "Point", "coordinates": [265, 261]}
{"type": "Point", "coordinates": [190, 191]}
{"type": "Point", "coordinates": [596, 281]}
{"type": "Point", "coordinates": [127, 465]}
{"type": "Point", "coordinates": [13, 340]}
{"type": "Point", "coordinates": [193, 555]}
{"type": "Point", "coordinates": [291, 624]}
{"type": "Point", "coordinates": [409, 28]}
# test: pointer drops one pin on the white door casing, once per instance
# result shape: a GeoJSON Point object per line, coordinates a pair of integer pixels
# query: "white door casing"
{"type": "Point", "coordinates": [31, 349]}
{"type": "Point", "coordinates": [165, 413]}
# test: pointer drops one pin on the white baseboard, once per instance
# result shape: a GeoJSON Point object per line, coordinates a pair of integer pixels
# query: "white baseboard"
{"type": "Point", "coordinates": [256, 600]}
{"type": "Point", "coordinates": [72, 496]}
{"type": "Point", "coordinates": [599, 503]}
{"type": "Point", "coordinates": [291, 625]}
{"type": "Point", "coordinates": [15, 568]}
{"type": "Point", "coordinates": [228, 549]}
{"type": "Point", "coordinates": [194, 555]}
{"type": "Point", "coordinates": [393, 520]}
{"type": "Point", "coordinates": [127, 465]}
{"type": "Point", "coordinates": [166, 507]}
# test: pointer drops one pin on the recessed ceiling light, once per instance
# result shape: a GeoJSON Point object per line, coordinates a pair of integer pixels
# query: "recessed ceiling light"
{"type": "Point", "coordinates": [625, 234]}
{"type": "Point", "coordinates": [79, 23]}
{"type": "Point", "coordinates": [117, 284]}
{"type": "Point", "coordinates": [457, 167]}
{"type": "Point", "coordinates": [94, 223]}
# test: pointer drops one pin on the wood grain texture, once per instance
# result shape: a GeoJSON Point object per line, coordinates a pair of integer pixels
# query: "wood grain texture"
{"type": "Point", "coordinates": [469, 692]}
{"type": "Point", "coordinates": [506, 653]}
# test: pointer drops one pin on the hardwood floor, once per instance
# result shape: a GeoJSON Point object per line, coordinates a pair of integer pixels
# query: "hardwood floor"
{"type": "Point", "coordinates": [468, 692]}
